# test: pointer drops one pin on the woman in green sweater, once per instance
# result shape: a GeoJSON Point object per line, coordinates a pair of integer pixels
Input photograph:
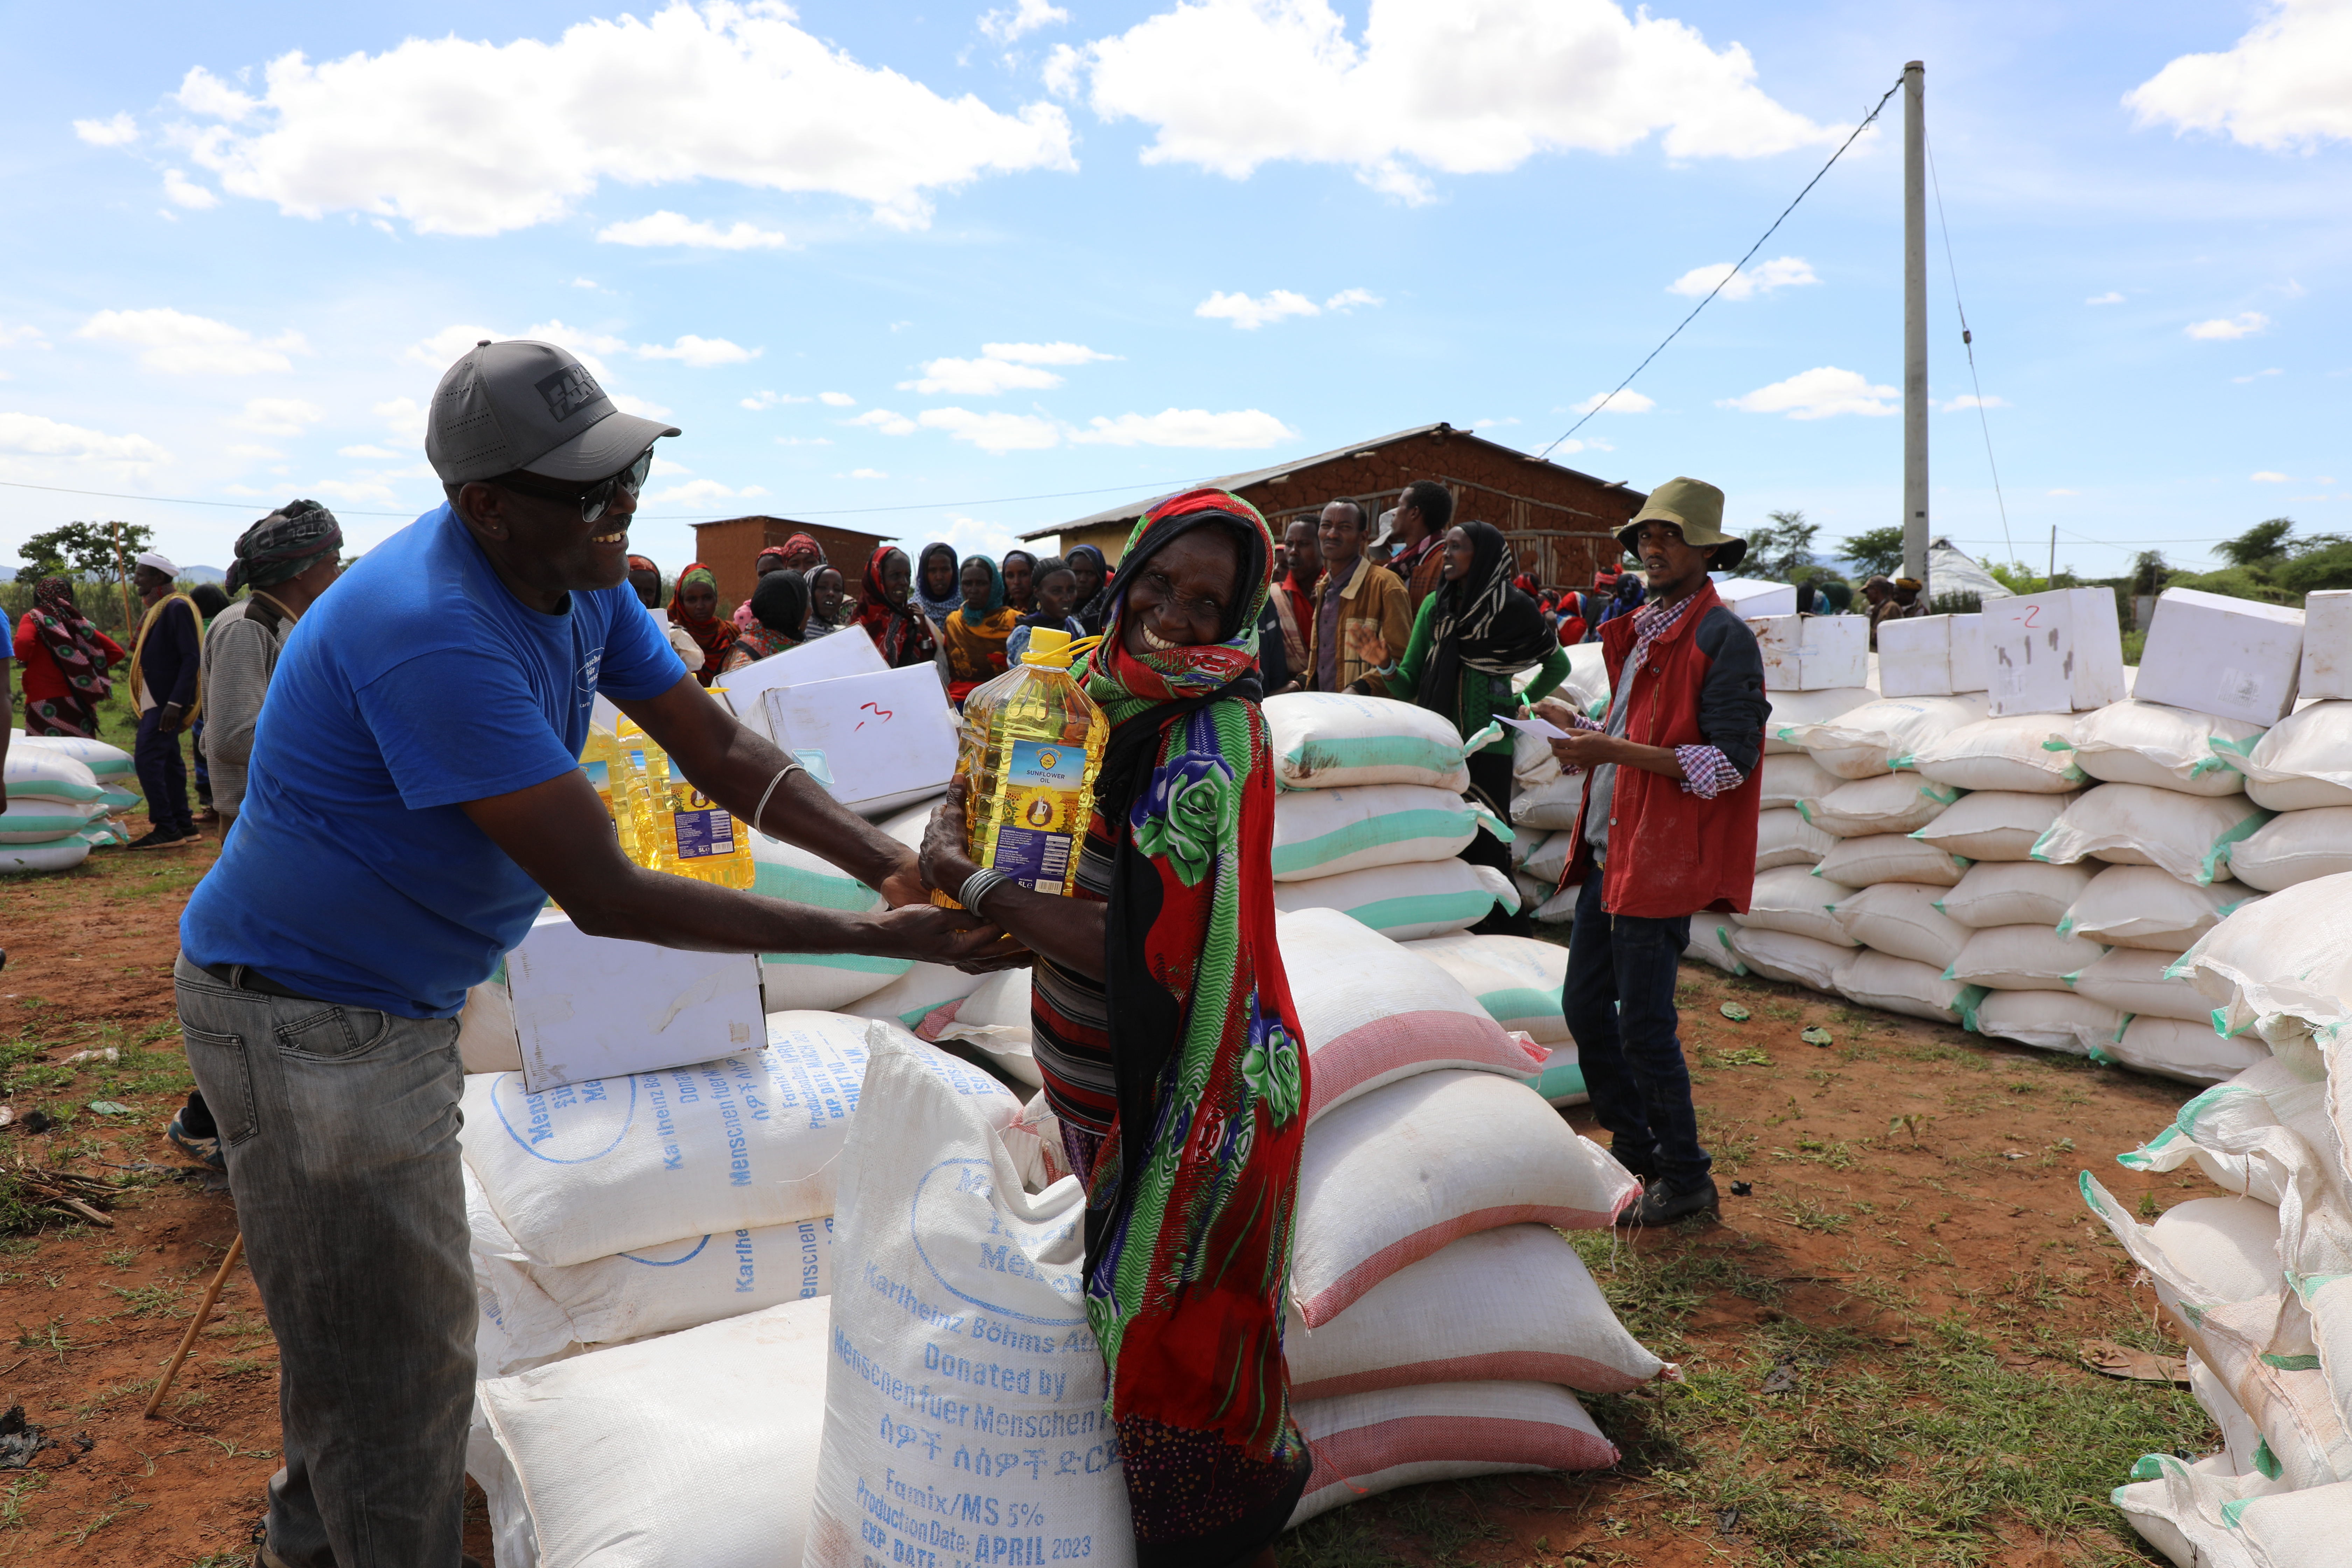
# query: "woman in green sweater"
{"type": "Point", "coordinates": [1472, 637]}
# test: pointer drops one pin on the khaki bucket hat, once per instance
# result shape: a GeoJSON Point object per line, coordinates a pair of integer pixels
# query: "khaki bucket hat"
{"type": "Point", "coordinates": [1697, 508]}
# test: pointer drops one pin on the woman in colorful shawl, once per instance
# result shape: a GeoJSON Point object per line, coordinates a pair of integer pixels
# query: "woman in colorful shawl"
{"type": "Point", "coordinates": [1170, 1050]}
{"type": "Point", "coordinates": [972, 643]}
{"type": "Point", "coordinates": [66, 661]}
{"type": "Point", "coordinates": [937, 585]}
{"type": "Point", "coordinates": [780, 608]}
{"type": "Point", "coordinates": [1092, 605]}
{"type": "Point", "coordinates": [1021, 580]}
{"type": "Point", "coordinates": [694, 605]}
{"type": "Point", "coordinates": [902, 632]}
{"type": "Point", "coordinates": [1473, 633]}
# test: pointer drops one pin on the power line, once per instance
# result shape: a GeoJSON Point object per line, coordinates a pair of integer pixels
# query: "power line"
{"type": "Point", "coordinates": [1967, 342]}
{"type": "Point", "coordinates": [1728, 276]}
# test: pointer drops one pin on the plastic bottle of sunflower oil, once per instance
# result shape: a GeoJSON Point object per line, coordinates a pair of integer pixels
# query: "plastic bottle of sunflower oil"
{"type": "Point", "coordinates": [667, 825]}
{"type": "Point", "coordinates": [1033, 742]}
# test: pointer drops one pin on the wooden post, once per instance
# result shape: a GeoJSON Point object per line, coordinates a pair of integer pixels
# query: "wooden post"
{"type": "Point", "coordinates": [195, 1326]}
{"type": "Point", "coordinates": [122, 575]}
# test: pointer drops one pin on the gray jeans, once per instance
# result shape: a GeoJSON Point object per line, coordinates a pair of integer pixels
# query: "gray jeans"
{"type": "Point", "coordinates": [340, 1125]}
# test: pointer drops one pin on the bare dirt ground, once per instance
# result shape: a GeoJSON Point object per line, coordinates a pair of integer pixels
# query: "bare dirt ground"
{"type": "Point", "coordinates": [1878, 1340]}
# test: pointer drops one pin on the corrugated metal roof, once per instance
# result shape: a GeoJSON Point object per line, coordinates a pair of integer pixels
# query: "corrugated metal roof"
{"type": "Point", "coordinates": [1130, 510]}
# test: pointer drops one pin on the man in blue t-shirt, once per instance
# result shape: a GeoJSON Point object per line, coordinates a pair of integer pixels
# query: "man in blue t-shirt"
{"type": "Point", "coordinates": [415, 800]}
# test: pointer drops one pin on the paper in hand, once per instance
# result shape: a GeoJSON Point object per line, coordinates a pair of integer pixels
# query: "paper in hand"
{"type": "Point", "coordinates": [1542, 729]}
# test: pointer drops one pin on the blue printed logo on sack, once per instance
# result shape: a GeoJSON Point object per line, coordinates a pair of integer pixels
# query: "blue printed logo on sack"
{"type": "Point", "coordinates": [966, 1189]}
{"type": "Point", "coordinates": [570, 1125]}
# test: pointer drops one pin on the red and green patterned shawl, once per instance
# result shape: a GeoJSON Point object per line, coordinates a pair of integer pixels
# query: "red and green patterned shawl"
{"type": "Point", "coordinates": [1189, 1201]}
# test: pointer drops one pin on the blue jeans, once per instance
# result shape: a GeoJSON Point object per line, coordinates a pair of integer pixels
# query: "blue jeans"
{"type": "Point", "coordinates": [1620, 1002]}
{"type": "Point", "coordinates": [163, 774]}
{"type": "Point", "coordinates": [339, 1126]}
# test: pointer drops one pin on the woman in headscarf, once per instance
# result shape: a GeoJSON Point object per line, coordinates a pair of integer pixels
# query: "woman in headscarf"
{"type": "Point", "coordinates": [1470, 637]}
{"type": "Point", "coordinates": [694, 605]}
{"type": "Point", "coordinates": [824, 588]}
{"type": "Point", "coordinates": [1091, 604]}
{"type": "Point", "coordinates": [902, 632]}
{"type": "Point", "coordinates": [972, 643]}
{"type": "Point", "coordinates": [65, 658]}
{"type": "Point", "coordinates": [938, 590]}
{"type": "Point", "coordinates": [799, 554]}
{"type": "Point", "coordinates": [1170, 1050]}
{"type": "Point", "coordinates": [1056, 593]}
{"type": "Point", "coordinates": [780, 608]}
{"type": "Point", "coordinates": [645, 577]}
{"type": "Point", "coordinates": [1021, 580]}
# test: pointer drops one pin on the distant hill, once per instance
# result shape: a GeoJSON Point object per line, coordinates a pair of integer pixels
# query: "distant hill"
{"type": "Point", "coordinates": [203, 574]}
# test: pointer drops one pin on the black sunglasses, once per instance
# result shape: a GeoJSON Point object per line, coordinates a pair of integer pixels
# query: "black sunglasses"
{"type": "Point", "coordinates": [596, 498]}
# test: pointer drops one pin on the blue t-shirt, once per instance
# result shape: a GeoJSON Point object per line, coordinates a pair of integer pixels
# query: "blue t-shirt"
{"type": "Point", "coordinates": [417, 682]}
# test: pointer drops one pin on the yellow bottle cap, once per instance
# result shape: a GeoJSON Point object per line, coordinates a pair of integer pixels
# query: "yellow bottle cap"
{"type": "Point", "coordinates": [1055, 650]}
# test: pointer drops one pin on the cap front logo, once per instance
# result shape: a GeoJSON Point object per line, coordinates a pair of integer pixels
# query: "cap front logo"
{"type": "Point", "coordinates": [569, 391]}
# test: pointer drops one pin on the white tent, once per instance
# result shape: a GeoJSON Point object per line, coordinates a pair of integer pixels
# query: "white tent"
{"type": "Point", "coordinates": [1952, 571]}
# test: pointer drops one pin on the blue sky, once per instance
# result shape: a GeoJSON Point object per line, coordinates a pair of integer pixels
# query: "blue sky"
{"type": "Point", "coordinates": [933, 258]}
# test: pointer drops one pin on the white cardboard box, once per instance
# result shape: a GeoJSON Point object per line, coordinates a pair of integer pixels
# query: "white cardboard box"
{"type": "Point", "coordinates": [591, 1006]}
{"type": "Point", "coordinates": [2231, 658]}
{"type": "Point", "coordinates": [2055, 652]}
{"type": "Point", "coordinates": [845, 653]}
{"type": "Point", "coordinates": [875, 741]}
{"type": "Point", "coordinates": [1814, 653]}
{"type": "Point", "coordinates": [1750, 597]}
{"type": "Point", "coordinates": [2327, 644]}
{"type": "Point", "coordinates": [1931, 656]}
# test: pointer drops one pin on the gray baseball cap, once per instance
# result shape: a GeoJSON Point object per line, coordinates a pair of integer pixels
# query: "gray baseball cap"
{"type": "Point", "coordinates": [522, 405]}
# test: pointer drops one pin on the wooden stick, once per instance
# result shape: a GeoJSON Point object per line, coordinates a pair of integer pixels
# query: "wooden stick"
{"type": "Point", "coordinates": [195, 1326]}
{"type": "Point", "coordinates": [122, 575]}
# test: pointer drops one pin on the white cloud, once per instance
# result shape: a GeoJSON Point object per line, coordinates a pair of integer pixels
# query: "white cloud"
{"type": "Point", "coordinates": [2242, 380]}
{"type": "Point", "coordinates": [34, 435]}
{"type": "Point", "coordinates": [2063, 492]}
{"type": "Point", "coordinates": [1026, 16]}
{"type": "Point", "coordinates": [1970, 400]}
{"type": "Point", "coordinates": [695, 492]}
{"type": "Point", "coordinates": [663, 467]}
{"type": "Point", "coordinates": [969, 535]}
{"type": "Point", "coordinates": [887, 423]}
{"type": "Point", "coordinates": [1232, 84]}
{"type": "Point", "coordinates": [836, 400]}
{"type": "Point", "coordinates": [405, 417]}
{"type": "Point", "coordinates": [584, 283]}
{"type": "Point", "coordinates": [460, 136]}
{"type": "Point", "coordinates": [1781, 272]}
{"type": "Point", "coordinates": [2267, 477]}
{"type": "Point", "coordinates": [1248, 315]}
{"type": "Point", "coordinates": [1493, 423]}
{"type": "Point", "coordinates": [1626, 401]}
{"type": "Point", "coordinates": [761, 400]}
{"type": "Point", "coordinates": [1241, 428]}
{"type": "Point", "coordinates": [351, 490]}
{"type": "Point", "coordinates": [2287, 84]}
{"type": "Point", "coordinates": [175, 343]}
{"type": "Point", "coordinates": [257, 454]}
{"type": "Point", "coordinates": [978, 377]}
{"type": "Point", "coordinates": [1347, 299]}
{"type": "Point", "coordinates": [994, 432]}
{"type": "Point", "coordinates": [804, 440]}
{"type": "Point", "coordinates": [700, 353]}
{"type": "Point", "coordinates": [867, 474]}
{"type": "Point", "coordinates": [1818, 393]}
{"type": "Point", "coordinates": [641, 407]}
{"type": "Point", "coordinates": [2224, 328]}
{"type": "Point", "coordinates": [277, 415]}
{"type": "Point", "coordinates": [674, 228]}
{"type": "Point", "coordinates": [2110, 297]}
{"type": "Point", "coordinates": [181, 191]}
{"type": "Point", "coordinates": [380, 454]}
{"type": "Point", "coordinates": [118, 131]}
{"type": "Point", "coordinates": [1056, 353]}
{"type": "Point", "coordinates": [26, 334]}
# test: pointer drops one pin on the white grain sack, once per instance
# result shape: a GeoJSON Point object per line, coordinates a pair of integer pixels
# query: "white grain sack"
{"type": "Point", "coordinates": [915, 995]}
{"type": "Point", "coordinates": [1995, 825]}
{"type": "Point", "coordinates": [1799, 960]}
{"type": "Point", "coordinates": [1428, 897]}
{"type": "Point", "coordinates": [1560, 908]}
{"type": "Point", "coordinates": [2143, 906]}
{"type": "Point", "coordinates": [1793, 900]}
{"type": "Point", "coordinates": [1552, 806]}
{"type": "Point", "coordinates": [1525, 841]}
{"type": "Point", "coordinates": [1326, 740]}
{"type": "Point", "coordinates": [814, 981]}
{"type": "Point", "coordinates": [1710, 941]}
{"type": "Point", "coordinates": [2022, 958]}
{"type": "Point", "coordinates": [1903, 986]}
{"type": "Point", "coordinates": [2289, 956]}
{"type": "Point", "coordinates": [1792, 710]}
{"type": "Point", "coordinates": [2304, 761]}
{"type": "Point", "coordinates": [1322, 832]}
{"type": "Point", "coordinates": [1365, 1444]}
{"type": "Point", "coordinates": [2294, 847]}
{"type": "Point", "coordinates": [2203, 1520]}
{"type": "Point", "coordinates": [2192, 837]}
{"type": "Point", "coordinates": [1891, 803]}
{"type": "Point", "coordinates": [2168, 748]}
{"type": "Point", "coordinates": [963, 1398]}
{"type": "Point", "coordinates": [2016, 892]}
{"type": "Point", "coordinates": [1517, 979]}
{"type": "Point", "coordinates": [1462, 1316]}
{"type": "Point", "coordinates": [1792, 776]}
{"type": "Point", "coordinates": [1871, 739]}
{"type": "Point", "coordinates": [2134, 980]}
{"type": "Point", "coordinates": [1549, 863]}
{"type": "Point", "coordinates": [1398, 1175]}
{"type": "Point", "coordinates": [2029, 752]}
{"type": "Point", "coordinates": [1890, 857]}
{"type": "Point", "coordinates": [2047, 1020]}
{"type": "Point", "coordinates": [2245, 1113]}
{"type": "Point", "coordinates": [2193, 1053]}
{"type": "Point", "coordinates": [1783, 837]}
{"type": "Point", "coordinates": [1902, 919]}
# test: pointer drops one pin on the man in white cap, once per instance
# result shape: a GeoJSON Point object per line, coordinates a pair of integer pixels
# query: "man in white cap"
{"type": "Point", "coordinates": [166, 659]}
{"type": "Point", "coordinates": [414, 801]}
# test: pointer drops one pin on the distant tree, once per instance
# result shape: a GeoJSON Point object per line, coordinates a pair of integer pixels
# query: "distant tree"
{"type": "Point", "coordinates": [84, 549]}
{"type": "Point", "coordinates": [2261, 544]}
{"type": "Point", "coordinates": [1876, 552]}
{"type": "Point", "coordinates": [2150, 569]}
{"type": "Point", "coordinates": [1784, 548]}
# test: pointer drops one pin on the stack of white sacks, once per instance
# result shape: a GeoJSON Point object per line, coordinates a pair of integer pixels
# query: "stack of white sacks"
{"type": "Point", "coordinates": [670, 1376]}
{"type": "Point", "coordinates": [62, 792]}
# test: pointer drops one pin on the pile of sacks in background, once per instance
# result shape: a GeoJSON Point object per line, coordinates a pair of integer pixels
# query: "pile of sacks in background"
{"type": "Point", "coordinates": [65, 796]}
{"type": "Point", "coordinates": [818, 1299]}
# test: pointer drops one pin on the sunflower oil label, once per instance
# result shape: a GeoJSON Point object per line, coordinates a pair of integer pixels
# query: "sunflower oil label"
{"type": "Point", "coordinates": [1043, 792]}
{"type": "Point", "coordinates": [704, 832]}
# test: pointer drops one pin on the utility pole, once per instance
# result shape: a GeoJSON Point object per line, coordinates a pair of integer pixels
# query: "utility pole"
{"type": "Point", "coordinates": [122, 575]}
{"type": "Point", "coordinates": [1915, 327]}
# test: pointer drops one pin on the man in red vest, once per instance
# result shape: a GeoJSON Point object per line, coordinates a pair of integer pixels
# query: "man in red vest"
{"type": "Point", "coordinates": [1667, 828]}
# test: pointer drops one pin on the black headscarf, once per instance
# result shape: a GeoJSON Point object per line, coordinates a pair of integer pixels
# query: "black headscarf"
{"type": "Point", "coordinates": [780, 602]}
{"type": "Point", "coordinates": [939, 610]}
{"type": "Point", "coordinates": [1482, 623]}
{"type": "Point", "coordinates": [1092, 614]}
